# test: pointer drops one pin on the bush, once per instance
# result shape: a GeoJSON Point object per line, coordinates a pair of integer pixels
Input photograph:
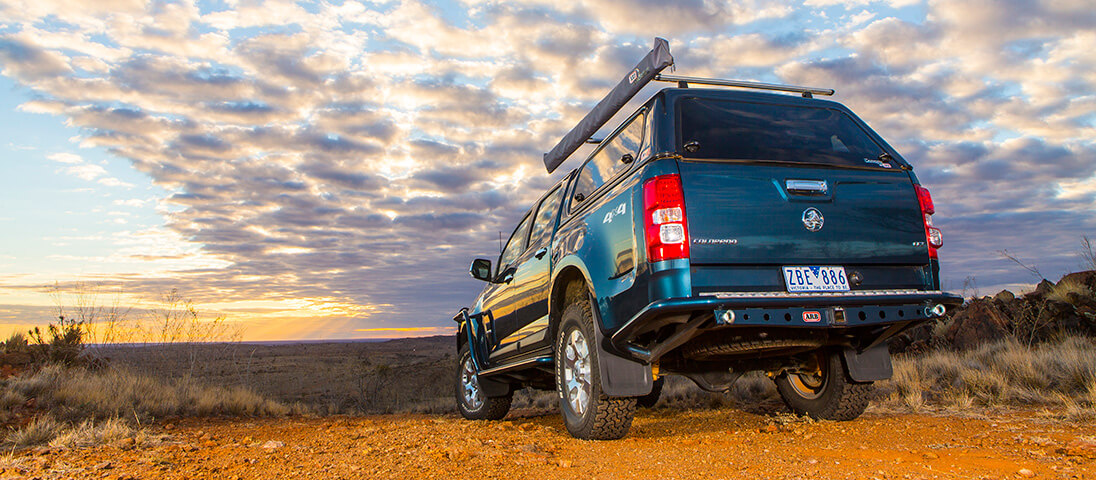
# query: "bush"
{"type": "Point", "coordinates": [16, 343]}
{"type": "Point", "coordinates": [62, 343]}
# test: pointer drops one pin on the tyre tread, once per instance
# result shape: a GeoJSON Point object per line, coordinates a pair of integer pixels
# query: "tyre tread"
{"type": "Point", "coordinates": [613, 417]}
{"type": "Point", "coordinates": [846, 401]}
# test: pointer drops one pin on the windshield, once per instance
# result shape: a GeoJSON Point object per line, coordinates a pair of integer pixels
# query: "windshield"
{"type": "Point", "coordinates": [779, 133]}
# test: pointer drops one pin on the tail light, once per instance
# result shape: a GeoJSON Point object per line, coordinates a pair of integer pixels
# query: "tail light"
{"type": "Point", "coordinates": [667, 231]}
{"type": "Point", "coordinates": [933, 236]}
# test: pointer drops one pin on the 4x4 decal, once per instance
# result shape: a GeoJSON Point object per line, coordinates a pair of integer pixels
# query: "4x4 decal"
{"type": "Point", "coordinates": [611, 214]}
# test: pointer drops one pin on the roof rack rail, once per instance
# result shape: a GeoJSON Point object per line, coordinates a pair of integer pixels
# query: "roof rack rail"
{"type": "Point", "coordinates": [684, 82]}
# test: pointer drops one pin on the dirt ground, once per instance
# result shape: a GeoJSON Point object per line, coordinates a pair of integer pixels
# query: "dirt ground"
{"type": "Point", "coordinates": [664, 443]}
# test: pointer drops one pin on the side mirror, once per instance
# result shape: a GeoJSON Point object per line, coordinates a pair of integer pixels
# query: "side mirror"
{"type": "Point", "coordinates": [481, 269]}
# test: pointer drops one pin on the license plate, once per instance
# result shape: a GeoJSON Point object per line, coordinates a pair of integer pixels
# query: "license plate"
{"type": "Point", "coordinates": [816, 279]}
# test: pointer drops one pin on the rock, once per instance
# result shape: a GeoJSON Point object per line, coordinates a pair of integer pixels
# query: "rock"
{"type": "Point", "coordinates": [1042, 289]}
{"type": "Point", "coordinates": [1086, 278]}
{"type": "Point", "coordinates": [272, 445]}
{"type": "Point", "coordinates": [1080, 448]}
{"type": "Point", "coordinates": [104, 466]}
{"type": "Point", "coordinates": [563, 462]}
{"type": "Point", "coordinates": [1004, 296]}
{"type": "Point", "coordinates": [209, 444]}
{"type": "Point", "coordinates": [1026, 473]}
{"type": "Point", "coordinates": [978, 323]}
{"type": "Point", "coordinates": [770, 428]}
{"type": "Point", "coordinates": [931, 456]}
{"type": "Point", "coordinates": [915, 340]}
{"type": "Point", "coordinates": [526, 427]}
{"type": "Point", "coordinates": [1057, 316]}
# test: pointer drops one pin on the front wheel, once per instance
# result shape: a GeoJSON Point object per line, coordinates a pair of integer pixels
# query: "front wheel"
{"type": "Point", "coordinates": [827, 393]}
{"type": "Point", "coordinates": [471, 401]}
{"type": "Point", "coordinates": [588, 413]}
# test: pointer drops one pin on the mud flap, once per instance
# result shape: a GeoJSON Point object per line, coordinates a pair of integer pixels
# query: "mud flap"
{"type": "Point", "coordinates": [493, 388]}
{"type": "Point", "coordinates": [871, 365]}
{"type": "Point", "coordinates": [620, 377]}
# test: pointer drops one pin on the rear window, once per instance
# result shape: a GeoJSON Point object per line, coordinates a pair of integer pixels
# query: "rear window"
{"type": "Point", "coordinates": [777, 133]}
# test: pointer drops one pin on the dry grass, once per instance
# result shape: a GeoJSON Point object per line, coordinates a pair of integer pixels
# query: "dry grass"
{"type": "Point", "coordinates": [1061, 375]}
{"type": "Point", "coordinates": [89, 433]}
{"type": "Point", "coordinates": [73, 394]}
{"type": "Point", "coordinates": [87, 407]}
{"type": "Point", "coordinates": [39, 431]}
{"type": "Point", "coordinates": [1061, 292]}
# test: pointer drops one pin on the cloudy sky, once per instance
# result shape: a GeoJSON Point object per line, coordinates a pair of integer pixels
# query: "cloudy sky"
{"type": "Point", "coordinates": [329, 169]}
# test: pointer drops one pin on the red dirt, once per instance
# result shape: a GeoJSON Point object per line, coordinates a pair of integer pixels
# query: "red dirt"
{"type": "Point", "coordinates": [662, 444]}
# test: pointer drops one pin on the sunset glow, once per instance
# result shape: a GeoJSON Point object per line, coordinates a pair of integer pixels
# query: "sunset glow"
{"type": "Point", "coordinates": [319, 170]}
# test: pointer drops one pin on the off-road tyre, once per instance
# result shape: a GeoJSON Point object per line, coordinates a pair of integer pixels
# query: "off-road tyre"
{"type": "Point", "coordinates": [835, 397]}
{"type": "Point", "coordinates": [604, 417]}
{"type": "Point", "coordinates": [490, 408]}
{"type": "Point", "coordinates": [651, 399]}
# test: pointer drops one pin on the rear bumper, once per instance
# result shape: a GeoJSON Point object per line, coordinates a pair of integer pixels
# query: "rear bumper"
{"type": "Point", "coordinates": [775, 309]}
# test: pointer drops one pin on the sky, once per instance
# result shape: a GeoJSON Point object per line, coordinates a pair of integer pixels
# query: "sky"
{"type": "Point", "coordinates": [322, 170]}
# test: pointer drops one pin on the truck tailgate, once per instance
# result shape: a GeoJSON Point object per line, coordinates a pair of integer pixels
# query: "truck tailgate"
{"type": "Point", "coordinates": [744, 213]}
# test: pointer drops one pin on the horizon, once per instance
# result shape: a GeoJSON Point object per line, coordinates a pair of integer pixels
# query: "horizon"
{"type": "Point", "coordinates": [319, 171]}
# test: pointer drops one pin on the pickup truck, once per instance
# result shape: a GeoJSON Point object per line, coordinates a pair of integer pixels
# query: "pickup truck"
{"type": "Point", "coordinates": [714, 232]}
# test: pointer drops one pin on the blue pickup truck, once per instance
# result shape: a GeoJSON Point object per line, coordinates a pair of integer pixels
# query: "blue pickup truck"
{"type": "Point", "coordinates": [715, 231]}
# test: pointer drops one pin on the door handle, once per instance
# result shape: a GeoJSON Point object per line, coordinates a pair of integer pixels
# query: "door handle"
{"type": "Point", "coordinates": [540, 253]}
{"type": "Point", "coordinates": [809, 187]}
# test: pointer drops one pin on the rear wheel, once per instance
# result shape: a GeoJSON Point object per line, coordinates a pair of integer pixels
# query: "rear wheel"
{"type": "Point", "coordinates": [827, 393]}
{"type": "Point", "coordinates": [471, 401]}
{"type": "Point", "coordinates": [587, 412]}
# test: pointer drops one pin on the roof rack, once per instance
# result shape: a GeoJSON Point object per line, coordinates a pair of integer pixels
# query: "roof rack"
{"type": "Point", "coordinates": [647, 70]}
{"type": "Point", "coordinates": [684, 82]}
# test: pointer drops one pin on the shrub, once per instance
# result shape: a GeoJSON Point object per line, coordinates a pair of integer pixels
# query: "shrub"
{"type": "Point", "coordinates": [39, 431]}
{"type": "Point", "coordinates": [16, 343]}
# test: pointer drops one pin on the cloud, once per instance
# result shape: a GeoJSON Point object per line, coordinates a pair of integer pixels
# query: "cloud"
{"type": "Point", "coordinates": [359, 155]}
{"type": "Point", "coordinates": [77, 167]}
{"type": "Point", "coordinates": [69, 158]}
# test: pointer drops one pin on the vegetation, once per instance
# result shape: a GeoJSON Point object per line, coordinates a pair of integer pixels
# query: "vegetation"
{"type": "Point", "coordinates": [68, 394]}
{"type": "Point", "coordinates": [80, 387]}
{"type": "Point", "coordinates": [1059, 374]}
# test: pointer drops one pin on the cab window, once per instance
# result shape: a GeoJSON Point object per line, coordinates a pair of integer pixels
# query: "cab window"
{"type": "Point", "coordinates": [515, 246]}
{"type": "Point", "coordinates": [546, 217]}
{"type": "Point", "coordinates": [606, 163]}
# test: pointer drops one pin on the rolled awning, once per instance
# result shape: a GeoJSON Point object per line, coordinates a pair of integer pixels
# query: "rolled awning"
{"type": "Point", "coordinates": [656, 60]}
